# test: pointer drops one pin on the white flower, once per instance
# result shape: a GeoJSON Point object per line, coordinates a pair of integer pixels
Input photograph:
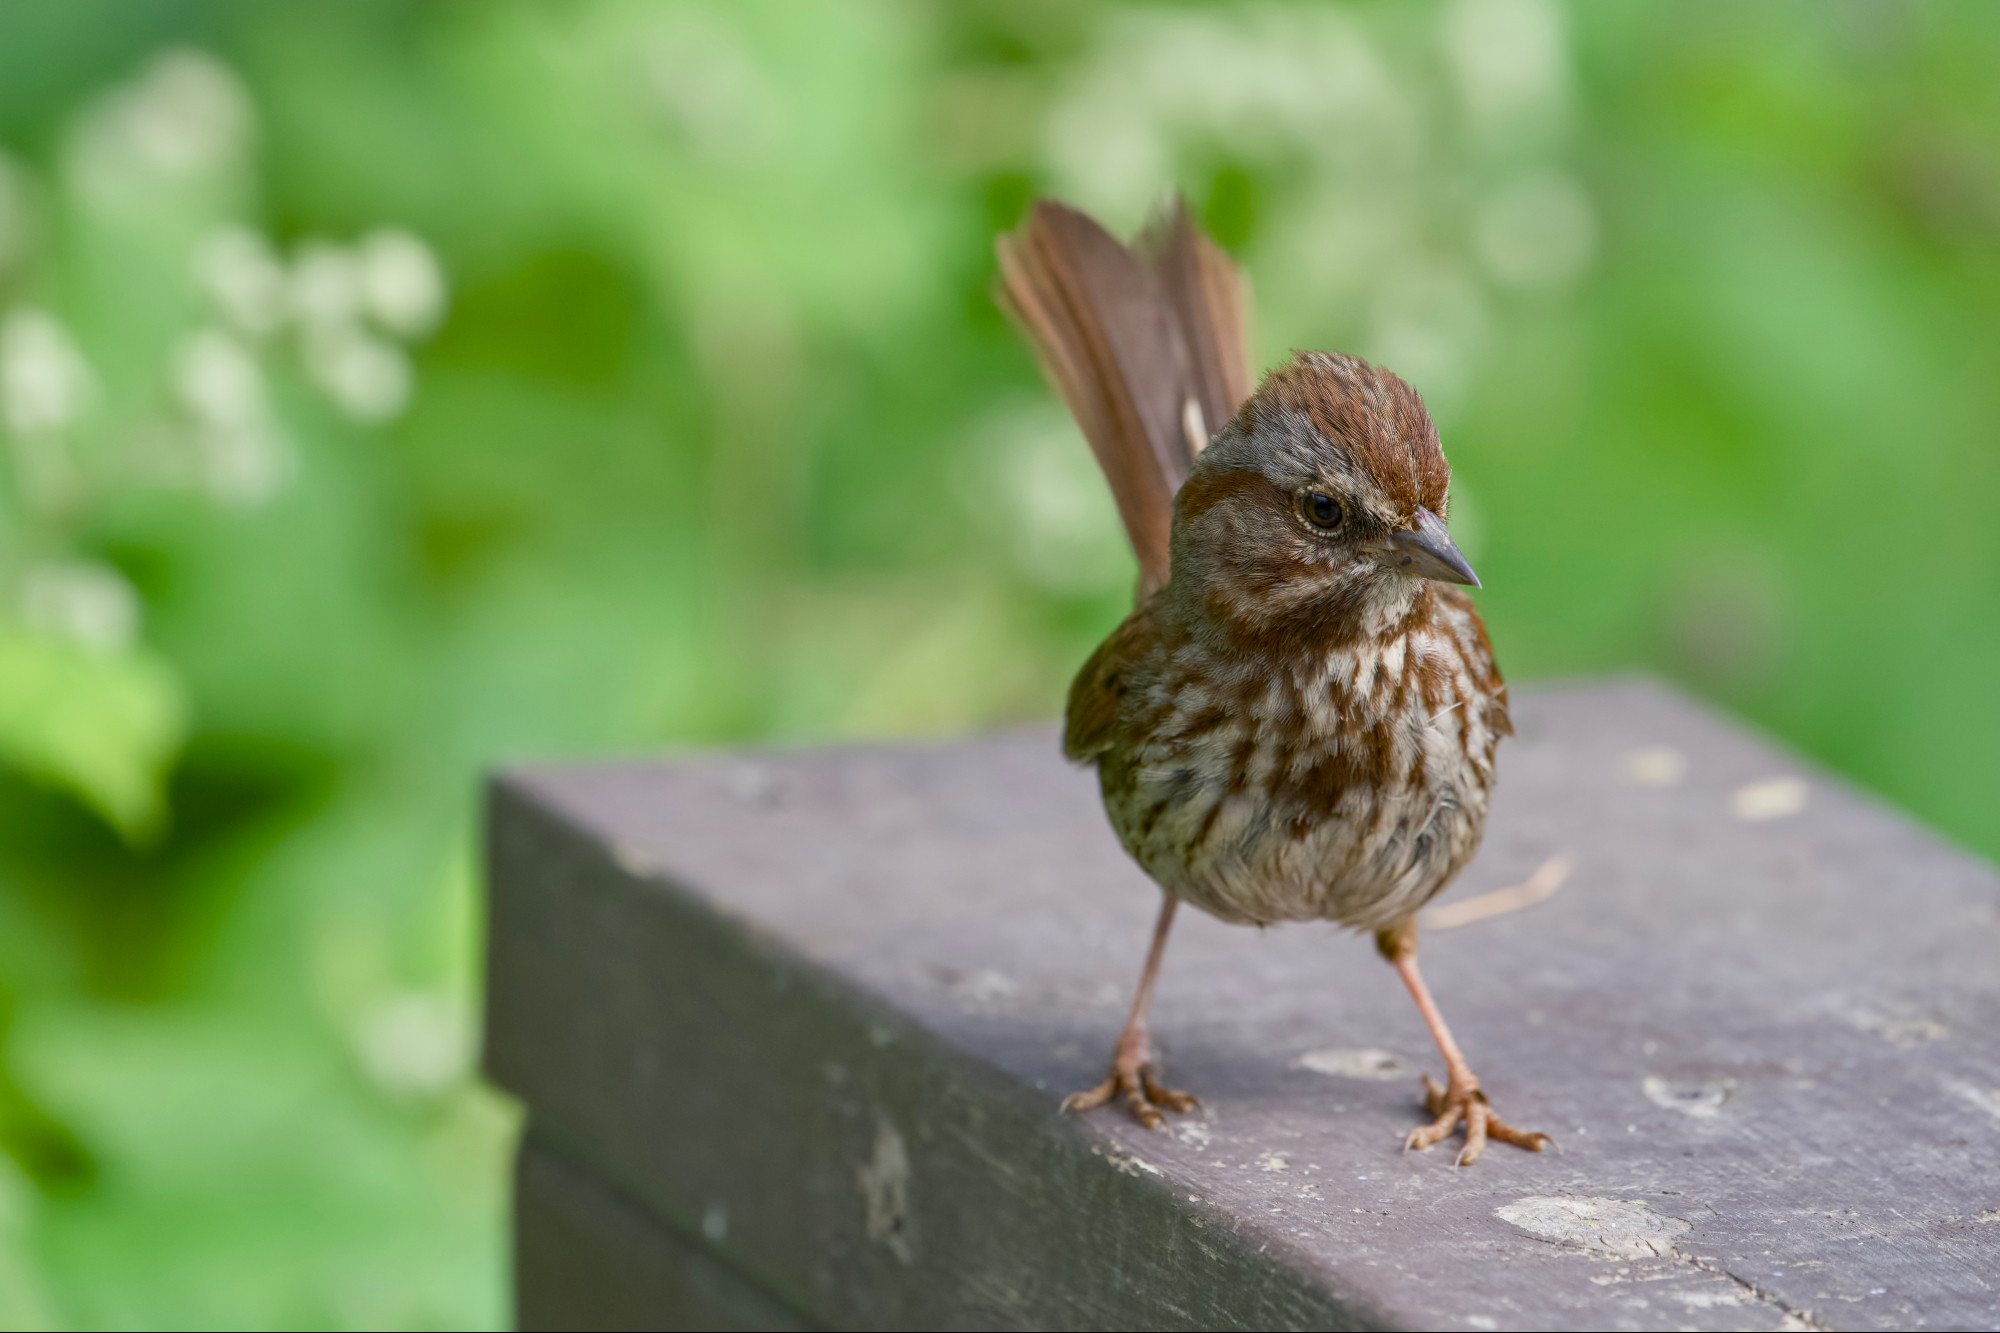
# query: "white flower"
{"type": "Point", "coordinates": [1304, 81]}
{"type": "Point", "coordinates": [392, 277]}
{"type": "Point", "coordinates": [218, 380]}
{"type": "Point", "coordinates": [366, 376]}
{"type": "Point", "coordinates": [401, 283]}
{"type": "Point", "coordinates": [243, 276]}
{"type": "Point", "coordinates": [87, 602]}
{"type": "Point", "coordinates": [1061, 525]}
{"type": "Point", "coordinates": [45, 383]}
{"type": "Point", "coordinates": [706, 81]}
{"type": "Point", "coordinates": [416, 1043]}
{"type": "Point", "coordinates": [241, 455]}
{"type": "Point", "coordinates": [185, 115]}
{"type": "Point", "coordinates": [1538, 231]}
{"type": "Point", "coordinates": [1510, 57]}
{"type": "Point", "coordinates": [325, 286]}
{"type": "Point", "coordinates": [1430, 323]}
{"type": "Point", "coordinates": [243, 465]}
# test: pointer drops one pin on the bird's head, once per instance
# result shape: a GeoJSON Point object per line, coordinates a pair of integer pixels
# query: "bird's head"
{"type": "Point", "coordinates": [1318, 513]}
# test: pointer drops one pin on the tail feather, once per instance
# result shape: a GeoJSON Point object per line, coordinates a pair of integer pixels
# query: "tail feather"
{"type": "Point", "coordinates": [1148, 349]}
{"type": "Point", "coordinates": [1211, 302]}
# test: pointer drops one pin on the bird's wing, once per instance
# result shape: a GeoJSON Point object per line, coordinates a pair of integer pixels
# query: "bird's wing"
{"type": "Point", "coordinates": [1131, 343]}
{"type": "Point", "coordinates": [1097, 695]}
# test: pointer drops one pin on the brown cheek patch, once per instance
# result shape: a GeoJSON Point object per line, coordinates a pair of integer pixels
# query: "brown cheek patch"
{"type": "Point", "coordinates": [1307, 627]}
{"type": "Point", "coordinates": [1205, 490]}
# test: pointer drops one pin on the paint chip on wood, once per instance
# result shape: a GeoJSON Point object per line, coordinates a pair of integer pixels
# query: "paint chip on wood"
{"type": "Point", "coordinates": [1609, 1228]}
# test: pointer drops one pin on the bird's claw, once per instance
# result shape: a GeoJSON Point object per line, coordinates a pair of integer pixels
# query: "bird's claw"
{"type": "Point", "coordinates": [1137, 1084]}
{"type": "Point", "coordinates": [1464, 1101]}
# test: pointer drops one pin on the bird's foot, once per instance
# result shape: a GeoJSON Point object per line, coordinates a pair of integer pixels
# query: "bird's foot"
{"type": "Point", "coordinates": [1134, 1079]}
{"type": "Point", "coordinates": [1463, 1101]}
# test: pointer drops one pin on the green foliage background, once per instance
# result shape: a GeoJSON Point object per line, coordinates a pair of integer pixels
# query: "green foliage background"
{"type": "Point", "coordinates": [721, 439]}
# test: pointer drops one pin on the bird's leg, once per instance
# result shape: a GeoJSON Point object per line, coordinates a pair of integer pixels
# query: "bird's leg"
{"type": "Point", "coordinates": [1461, 1098]}
{"type": "Point", "coordinates": [1134, 1072]}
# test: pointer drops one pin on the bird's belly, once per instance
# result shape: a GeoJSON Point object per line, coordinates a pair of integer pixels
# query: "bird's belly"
{"type": "Point", "coordinates": [1365, 855]}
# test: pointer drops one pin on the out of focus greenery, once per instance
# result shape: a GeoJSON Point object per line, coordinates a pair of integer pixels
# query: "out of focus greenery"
{"type": "Point", "coordinates": [395, 390]}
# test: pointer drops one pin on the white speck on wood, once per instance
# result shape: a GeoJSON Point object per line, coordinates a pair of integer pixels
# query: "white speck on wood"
{"type": "Point", "coordinates": [884, 1180]}
{"type": "Point", "coordinates": [633, 861]}
{"type": "Point", "coordinates": [1696, 1099]}
{"type": "Point", "coordinates": [1986, 1099]}
{"type": "Point", "coordinates": [1902, 1029]}
{"type": "Point", "coordinates": [1129, 1163]}
{"type": "Point", "coordinates": [1193, 1132]}
{"type": "Point", "coordinates": [986, 986]}
{"type": "Point", "coordinates": [1708, 1300]}
{"type": "Point", "coordinates": [1772, 798]}
{"type": "Point", "coordinates": [1379, 1066]}
{"type": "Point", "coordinates": [1653, 766]}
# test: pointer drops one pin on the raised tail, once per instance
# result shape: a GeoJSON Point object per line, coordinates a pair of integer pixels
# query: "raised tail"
{"type": "Point", "coordinates": [1147, 345]}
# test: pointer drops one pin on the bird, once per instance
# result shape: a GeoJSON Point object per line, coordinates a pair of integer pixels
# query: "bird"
{"type": "Point", "coordinates": [1299, 718]}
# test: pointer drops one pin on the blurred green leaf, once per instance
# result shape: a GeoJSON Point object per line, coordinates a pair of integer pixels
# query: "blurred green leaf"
{"type": "Point", "coordinates": [102, 724]}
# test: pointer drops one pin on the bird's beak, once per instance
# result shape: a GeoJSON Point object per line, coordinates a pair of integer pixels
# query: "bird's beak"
{"type": "Point", "coordinates": [1427, 551]}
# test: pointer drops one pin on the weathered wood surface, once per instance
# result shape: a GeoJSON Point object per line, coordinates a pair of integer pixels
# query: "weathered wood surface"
{"type": "Point", "coordinates": [809, 1016]}
{"type": "Point", "coordinates": [589, 1258]}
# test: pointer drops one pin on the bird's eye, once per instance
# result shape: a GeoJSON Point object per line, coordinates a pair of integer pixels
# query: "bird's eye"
{"type": "Point", "coordinates": [1321, 510]}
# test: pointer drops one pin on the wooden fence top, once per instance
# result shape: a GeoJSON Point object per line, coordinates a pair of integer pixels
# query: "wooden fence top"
{"type": "Point", "coordinates": [811, 1015]}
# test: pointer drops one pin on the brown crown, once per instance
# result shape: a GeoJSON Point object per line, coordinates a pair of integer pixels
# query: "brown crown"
{"type": "Point", "coordinates": [1372, 415]}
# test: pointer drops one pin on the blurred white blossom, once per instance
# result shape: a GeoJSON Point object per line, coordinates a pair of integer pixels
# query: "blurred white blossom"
{"type": "Point", "coordinates": [1429, 326]}
{"type": "Point", "coordinates": [218, 380]}
{"type": "Point", "coordinates": [325, 286]}
{"type": "Point", "coordinates": [243, 465]}
{"type": "Point", "coordinates": [45, 383]}
{"type": "Point", "coordinates": [240, 455]}
{"type": "Point", "coordinates": [1054, 516]}
{"type": "Point", "coordinates": [1510, 57]}
{"type": "Point", "coordinates": [1537, 231]}
{"type": "Point", "coordinates": [1305, 81]}
{"type": "Point", "coordinates": [1381, 246]}
{"type": "Point", "coordinates": [240, 272]}
{"type": "Point", "coordinates": [369, 378]}
{"type": "Point", "coordinates": [707, 82]}
{"type": "Point", "coordinates": [84, 601]}
{"type": "Point", "coordinates": [185, 115]}
{"type": "Point", "coordinates": [401, 283]}
{"type": "Point", "coordinates": [328, 293]}
{"type": "Point", "coordinates": [416, 1043]}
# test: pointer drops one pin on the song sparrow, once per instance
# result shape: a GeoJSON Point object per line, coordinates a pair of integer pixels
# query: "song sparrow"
{"type": "Point", "coordinates": [1298, 721]}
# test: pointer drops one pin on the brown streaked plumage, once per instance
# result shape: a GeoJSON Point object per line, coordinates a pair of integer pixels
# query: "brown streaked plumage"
{"type": "Point", "coordinates": [1298, 720]}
